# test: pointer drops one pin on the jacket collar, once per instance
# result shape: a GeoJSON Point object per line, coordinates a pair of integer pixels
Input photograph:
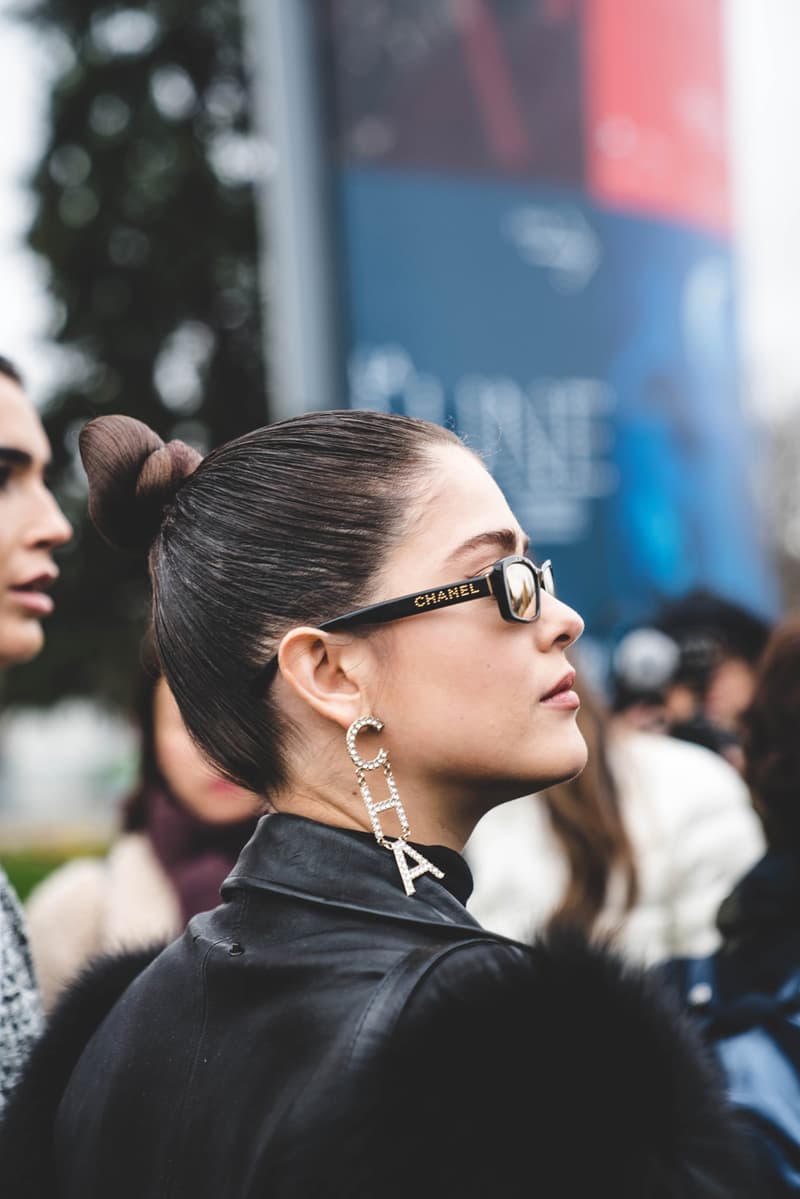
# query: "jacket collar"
{"type": "Point", "coordinates": [292, 855]}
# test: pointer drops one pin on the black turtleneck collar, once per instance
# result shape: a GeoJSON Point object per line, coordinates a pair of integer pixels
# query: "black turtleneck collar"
{"type": "Point", "coordinates": [293, 855]}
{"type": "Point", "coordinates": [457, 875]}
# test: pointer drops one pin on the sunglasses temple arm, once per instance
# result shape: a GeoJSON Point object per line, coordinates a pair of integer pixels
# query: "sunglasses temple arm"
{"type": "Point", "coordinates": [412, 605]}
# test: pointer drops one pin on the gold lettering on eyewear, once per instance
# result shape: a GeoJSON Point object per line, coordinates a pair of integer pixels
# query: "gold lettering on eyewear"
{"type": "Point", "coordinates": [429, 599]}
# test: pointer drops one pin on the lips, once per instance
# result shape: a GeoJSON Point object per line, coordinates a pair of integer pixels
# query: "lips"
{"type": "Point", "coordinates": [565, 683]}
{"type": "Point", "coordinates": [32, 593]}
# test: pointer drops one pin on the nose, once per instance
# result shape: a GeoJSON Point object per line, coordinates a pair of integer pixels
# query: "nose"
{"type": "Point", "coordinates": [50, 528]}
{"type": "Point", "coordinates": [558, 623]}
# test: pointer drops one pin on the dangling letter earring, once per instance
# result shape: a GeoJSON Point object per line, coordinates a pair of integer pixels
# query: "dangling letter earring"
{"type": "Point", "coordinates": [399, 847]}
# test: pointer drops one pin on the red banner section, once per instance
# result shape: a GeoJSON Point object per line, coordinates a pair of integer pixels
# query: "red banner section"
{"type": "Point", "coordinates": [655, 113]}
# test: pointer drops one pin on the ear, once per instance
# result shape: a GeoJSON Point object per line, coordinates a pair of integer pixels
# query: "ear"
{"type": "Point", "coordinates": [325, 673]}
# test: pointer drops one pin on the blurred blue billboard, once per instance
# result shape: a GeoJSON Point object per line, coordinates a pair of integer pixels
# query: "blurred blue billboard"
{"type": "Point", "coordinates": [532, 216]}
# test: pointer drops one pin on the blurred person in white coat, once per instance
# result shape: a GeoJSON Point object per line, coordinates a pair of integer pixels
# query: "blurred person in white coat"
{"type": "Point", "coordinates": [640, 849]}
{"type": "Point", "coordinates": [181, 830]}
{"type": "Point", "coordinates": [31, 527]}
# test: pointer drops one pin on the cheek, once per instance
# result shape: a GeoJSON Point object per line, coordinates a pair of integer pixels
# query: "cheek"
{"type": "Point", "coordinates": [181, 764]}
{"type": "Point", "coordinates": [12, 533]}
{"type": "Point", "coordinates": [6, 550]}
{"type": "Point", "coordinates": [424, 661]}
{"type": "Point", "coordinates": [448, 684]}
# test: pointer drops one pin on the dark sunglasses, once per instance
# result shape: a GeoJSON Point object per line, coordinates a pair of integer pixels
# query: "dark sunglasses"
{"type": "Point", "coordinates": [515, 583]}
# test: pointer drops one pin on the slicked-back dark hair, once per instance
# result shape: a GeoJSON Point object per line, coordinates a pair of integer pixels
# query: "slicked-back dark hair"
{"type": "Point", "coordinates": [10, 371]}
{"type": "Point", "coordinates": [287, 525]}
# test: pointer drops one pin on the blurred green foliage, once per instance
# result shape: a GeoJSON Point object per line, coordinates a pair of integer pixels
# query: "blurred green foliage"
{"type": "Point", "coordinates": [145, 225]}
{"type": "Point", "coordinates": [26, 868]}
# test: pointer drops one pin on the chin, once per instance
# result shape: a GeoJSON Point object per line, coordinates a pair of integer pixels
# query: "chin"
{"type": "Point", "coordinates": [16, 650]}
{"type": "Point", "coordinates": [577, 762]}
{"type": "Point", "coordinates": [560, 768]}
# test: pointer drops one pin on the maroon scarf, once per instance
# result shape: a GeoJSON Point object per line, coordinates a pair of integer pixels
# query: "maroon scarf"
{"type": "Point", "coordinates": [196, 856]}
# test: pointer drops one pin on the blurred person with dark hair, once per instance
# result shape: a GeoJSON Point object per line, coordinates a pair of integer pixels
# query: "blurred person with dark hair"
{"type": "Point", "coordinates": [643, 664]}
{"type": "Point", "coordinates": [182, 829]}
{"type": "Point", "coordinates": [31, 528]}
{"type": "Point", "coordinates": [747, 995]}
{"type": "Point", "coordinates": [720, 643]}
{"type": "Point", "coordinates": [639, 849]}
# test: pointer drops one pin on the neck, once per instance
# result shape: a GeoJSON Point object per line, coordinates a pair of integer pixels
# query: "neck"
{"type": "Point", "coordinates": [428, 826]}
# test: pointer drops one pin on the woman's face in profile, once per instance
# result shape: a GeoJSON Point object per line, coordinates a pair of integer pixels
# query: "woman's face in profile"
{"type": "Point", "coordinates": [467, 698]}
{"type": "Point", "coordinates": [193, 782]}
{"type": "Point", "coordinates": [31, 527]}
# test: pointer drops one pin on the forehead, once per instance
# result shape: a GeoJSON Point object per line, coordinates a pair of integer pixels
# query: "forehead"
{"type": "Point", "coordinates": [461, 502]}
{"type": "Point", "coordinates": [20, 427]}
{"type": "Point", "coordinates": [462, 491]}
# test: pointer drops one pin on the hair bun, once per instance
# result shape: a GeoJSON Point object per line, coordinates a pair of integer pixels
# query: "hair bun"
{"type": "Point", "coordinates": [133, 476]}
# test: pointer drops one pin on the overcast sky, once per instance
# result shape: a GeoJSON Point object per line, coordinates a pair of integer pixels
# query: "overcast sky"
{"type": "Point", "coordinates": [764, 88]}
{"type": "Point", "coordinates": [23, 99]}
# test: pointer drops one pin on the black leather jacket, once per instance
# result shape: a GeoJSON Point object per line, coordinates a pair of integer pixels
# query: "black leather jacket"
{"type": "Point", "coordinates": [322, 1034]}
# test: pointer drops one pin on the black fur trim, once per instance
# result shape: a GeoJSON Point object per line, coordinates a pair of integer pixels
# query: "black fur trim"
{"type": "Point", "coordinates": [552, 1073]}
{"type": "Point", "coordinates": [557, 1074]}
{"type": "Point", "coordinates": [26, 1132]}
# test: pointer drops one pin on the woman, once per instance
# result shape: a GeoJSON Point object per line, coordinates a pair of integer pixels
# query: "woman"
{"type": "Point", "coordinates": [345, 615]}
{"type": "Point", "coordinates": [32, 528]}
{"type": "Point", "coordinates": [182, 829]}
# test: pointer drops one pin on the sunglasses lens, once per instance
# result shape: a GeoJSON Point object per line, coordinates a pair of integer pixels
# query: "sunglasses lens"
{"type": "Point", "coordinates": [521, 586]}
{"type": "Point", "coordinates": [548, 578]}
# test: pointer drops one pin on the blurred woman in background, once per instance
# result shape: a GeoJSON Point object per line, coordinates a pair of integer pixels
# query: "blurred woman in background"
{"type": "Point", "coordinates": [32, 528]}
{"type": "Point", "coordinates": [181, 831]}
{"type": "Point", "coordinates": [642, 847]}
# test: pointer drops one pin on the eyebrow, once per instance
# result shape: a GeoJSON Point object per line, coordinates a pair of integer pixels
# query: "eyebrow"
{"type": "Point", "coordinates": [503, 539]}
{"type": "Point", "coordinates": [13, 457]}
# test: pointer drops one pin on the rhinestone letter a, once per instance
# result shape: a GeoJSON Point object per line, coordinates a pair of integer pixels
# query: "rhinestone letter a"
{"type": "Point", "coordinates": [399, 847]}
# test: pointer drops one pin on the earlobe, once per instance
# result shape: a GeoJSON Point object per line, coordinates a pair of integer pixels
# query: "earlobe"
{"type": "Point", "coordinates": [322, 672]}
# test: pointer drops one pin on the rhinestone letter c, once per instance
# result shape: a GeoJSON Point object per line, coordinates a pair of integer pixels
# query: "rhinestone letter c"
{"type": "Point", "coordinates": [355, 728]}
